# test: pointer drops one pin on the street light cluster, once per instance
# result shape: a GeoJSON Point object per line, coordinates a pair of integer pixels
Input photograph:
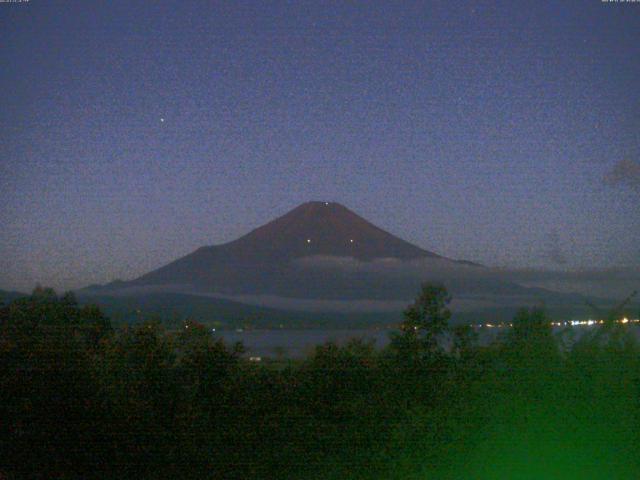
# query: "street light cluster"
{"type": "Point", "coordinates": [571, 323]}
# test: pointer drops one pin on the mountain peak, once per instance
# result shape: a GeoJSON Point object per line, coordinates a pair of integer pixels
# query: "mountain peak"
{"type": "Point", "coordinates": [323, 228]}
{"type": "Point", "coordinates": [320, 207]}
{"type": "Point", "coordinates": [264, 260]}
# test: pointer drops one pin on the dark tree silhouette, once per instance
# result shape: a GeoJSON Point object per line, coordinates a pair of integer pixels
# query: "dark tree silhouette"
{"type": "Point", "coordinates": [425, 321]}
{"type": "Point", "coordinates": [81, 400]}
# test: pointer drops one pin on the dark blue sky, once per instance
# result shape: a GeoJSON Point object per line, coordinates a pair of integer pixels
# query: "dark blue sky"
{"type": "Point", "coordinates": [479, 130]}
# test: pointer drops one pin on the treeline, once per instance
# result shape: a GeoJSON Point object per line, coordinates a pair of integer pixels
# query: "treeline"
{"type": "Point", "coordinates": [79, 399]}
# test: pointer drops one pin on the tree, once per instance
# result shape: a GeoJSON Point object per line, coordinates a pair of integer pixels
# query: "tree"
{"type": "Point", "coordinates": [48, 399]}
{"type": "Point", "coordinates": [532, 354]}
{"type": "Point", "coordinates": [532, 335]}
{"type": "Point", "coordinates": [205, 363]}
{"type": "Point", "coordinates": [465, 339]}
{"type": "Point", "coordinates": [425, 321]}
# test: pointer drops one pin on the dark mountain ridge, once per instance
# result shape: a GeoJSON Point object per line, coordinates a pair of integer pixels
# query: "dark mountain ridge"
{"type": "Point", "coordinates": [263, 261]}
{"type": "Point", "coordinates": [281, 257]}
{"type": "Point", "coordinates": [323, 228]}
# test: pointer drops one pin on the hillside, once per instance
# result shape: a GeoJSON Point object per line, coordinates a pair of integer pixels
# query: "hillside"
{"type": "Point", "coordinates": [323, 252]}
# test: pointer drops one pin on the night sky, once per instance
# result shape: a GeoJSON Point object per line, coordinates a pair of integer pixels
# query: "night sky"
{"type": "Point", "coordinates": [132, 132]}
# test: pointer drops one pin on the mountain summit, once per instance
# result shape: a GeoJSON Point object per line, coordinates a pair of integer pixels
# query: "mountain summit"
{"type": "Point", "coordinates": [319, 251]}
{"type": "Point", "coordinates": [265, 261]}
{"type": "Point", "coordinates": [323, 228]}
{"type": "Point", "coordinates": [262, 261]}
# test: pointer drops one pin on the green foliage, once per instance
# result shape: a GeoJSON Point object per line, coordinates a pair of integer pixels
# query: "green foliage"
{"type": "Point", "coordinates": [425, 322]}
{"type": "Point", "coordinates": [531, 337]}
{"type": "Point", "coordinates": [80, 400]}
{"type": "Point", "coordinates": [429, 315]}
{"type": "Point", "coordinates": [47, 394]}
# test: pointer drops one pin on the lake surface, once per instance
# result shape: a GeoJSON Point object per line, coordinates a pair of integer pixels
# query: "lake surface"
{"type": "Point", "coordinates": [300, 343]}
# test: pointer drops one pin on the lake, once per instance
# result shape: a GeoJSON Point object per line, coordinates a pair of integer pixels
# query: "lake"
{"type": "Point", "coordinates": [300, 343]}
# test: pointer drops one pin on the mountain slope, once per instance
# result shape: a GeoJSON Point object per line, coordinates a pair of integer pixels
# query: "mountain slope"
{"type": "Point", "coordinates": [318, 250]}
{"type": "Point", "coordinates": [323, 228]}
{"type": "Point", "coordinates": [174, 308]}
{"type": "Point", "coordinates": [263, 261]}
